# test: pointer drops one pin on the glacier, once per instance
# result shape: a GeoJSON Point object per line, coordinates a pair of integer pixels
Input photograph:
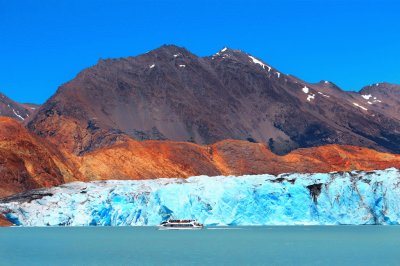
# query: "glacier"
{"type": "Point", "coordinates": [335, 198]}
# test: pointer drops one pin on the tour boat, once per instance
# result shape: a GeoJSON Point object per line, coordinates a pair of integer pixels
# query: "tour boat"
{"type": "Point", "coordinates": [181, 224]}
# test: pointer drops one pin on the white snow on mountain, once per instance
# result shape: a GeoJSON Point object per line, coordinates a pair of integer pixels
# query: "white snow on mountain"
{"type": "Point", "coordinates": [258, 62]}
{"type": "Point", "coordinates": [366, 97]}
{"type": "Point", "coordinates": [360, 106]}
{"type": "Point", "coordinates": [326, 96]}
{"type": "Point", "coordinates": [18, 115]}
{"type": "Point", "coordinates": [310, 97]}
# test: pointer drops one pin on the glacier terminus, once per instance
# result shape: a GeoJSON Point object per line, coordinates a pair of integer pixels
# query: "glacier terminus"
{"type": "Point", "coordinates": [337, 198]}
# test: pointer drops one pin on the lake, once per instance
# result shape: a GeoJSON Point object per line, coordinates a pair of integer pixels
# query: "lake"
{"type": "Point", "coordinates": [267, 245]}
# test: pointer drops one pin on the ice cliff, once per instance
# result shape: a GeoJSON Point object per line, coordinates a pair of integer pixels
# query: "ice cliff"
{"type": "Point", "coordinates": [288, 199]}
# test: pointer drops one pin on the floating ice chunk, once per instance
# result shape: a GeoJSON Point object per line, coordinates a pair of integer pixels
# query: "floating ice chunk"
{"type": "Point", "coordinates": [360, 106]}
{"type": "Point", "coordinates": [305, 89]}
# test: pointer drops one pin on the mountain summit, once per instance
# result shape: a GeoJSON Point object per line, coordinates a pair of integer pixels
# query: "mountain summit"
{"type": "Point", "coordinates": [171, 94]}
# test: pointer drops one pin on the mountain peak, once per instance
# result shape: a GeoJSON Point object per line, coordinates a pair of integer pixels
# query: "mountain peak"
{"type": "Point", "coordinates": [170, 93]}
{"type": "Point", "coordinates": [226, 51]}
{"type": "Point", "coordinates": [170, 49]}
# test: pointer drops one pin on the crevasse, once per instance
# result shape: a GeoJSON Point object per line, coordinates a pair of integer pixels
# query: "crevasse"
{"type": "Point", "coordinates": [288, 199]}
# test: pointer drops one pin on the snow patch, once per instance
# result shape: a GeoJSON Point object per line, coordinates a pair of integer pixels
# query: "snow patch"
{"type": "Point", "coordinates": [371, 101]}
{"type": "Point", "coordinates": [153, 65]}
{"type": "Point", "coordinates": [258, 62]}
{"type": "Point", "coordinates": [305, 89]}
{"type": "Point", "coordinates": [360, 106]}
{"type": "Point", "coordinates": [366, 96]}
{"type": "Point", "coordinates": [278, 74]}
{"type": "Point", "coordinates": [17, 114]}
{"type": "Point", "coordinates": [310, 97]}
{"type": "Point", "coordinates": [182, 65]}
{"type": "Point", "coordinates": [324, 95]}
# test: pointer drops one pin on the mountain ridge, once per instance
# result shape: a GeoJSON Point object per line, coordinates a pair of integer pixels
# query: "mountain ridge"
{"type": "Point", "coordinates": [28, 161]}
{"type": "Point", "coordinates": [170, 93]}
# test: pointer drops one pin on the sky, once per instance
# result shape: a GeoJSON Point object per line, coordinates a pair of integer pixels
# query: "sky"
{"type": "Point", "coordinates": [44, 44]}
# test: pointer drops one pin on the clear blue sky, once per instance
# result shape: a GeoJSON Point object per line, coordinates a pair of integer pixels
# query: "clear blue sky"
{"type": "Point", "coordinates": [46, 43]}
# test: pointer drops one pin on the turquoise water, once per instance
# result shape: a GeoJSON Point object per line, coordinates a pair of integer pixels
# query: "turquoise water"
{"type": "Point", "coordinates": [277, 245]}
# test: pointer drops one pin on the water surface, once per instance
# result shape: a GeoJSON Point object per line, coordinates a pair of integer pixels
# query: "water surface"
{"type": "Point", "coordinates": [275, 245]}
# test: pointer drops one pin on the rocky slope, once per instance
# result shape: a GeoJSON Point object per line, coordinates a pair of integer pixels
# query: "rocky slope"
{"type": "Point", "coordinates": [28, 162]}
{"type": "Point", "coordinates": [321, 199]}
{"type": "Point", "coordinates": [155, 159]}
{"type": "Point", "coordinates": [12, 109]}
{"type": "Point", "coordinates": [384, 97]}
{"type": "Point", "coordinates": [172, 94]}
{"type": "Point", "coordinates": [4, 222]}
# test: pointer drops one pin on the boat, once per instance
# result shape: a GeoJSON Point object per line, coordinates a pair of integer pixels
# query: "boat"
{"type": "Point", "coordinates": [181, 225]}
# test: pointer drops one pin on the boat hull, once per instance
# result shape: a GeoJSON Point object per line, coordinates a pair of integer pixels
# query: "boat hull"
{"type": "Point", "coordinates": [178, 228]}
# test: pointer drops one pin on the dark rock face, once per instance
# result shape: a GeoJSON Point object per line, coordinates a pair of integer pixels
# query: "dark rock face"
{"type": "Point", "coordinates": [9, 108]}
{"type": "Point", "coordinates": [172, 94]}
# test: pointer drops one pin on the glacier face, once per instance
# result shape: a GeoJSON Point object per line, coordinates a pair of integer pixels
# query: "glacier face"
{"type": "Point", "coordinates": [288, 199]}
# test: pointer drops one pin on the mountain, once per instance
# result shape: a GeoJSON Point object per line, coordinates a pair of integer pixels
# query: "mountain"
{"type": "Point", "coordinates": [28, 162]}
{"type": "Point", "coordinates": [15, 110]}
{"type": "Point", "coordinates": [155, 159]}
{"type": "Point", "coordinates": [172, 94]}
